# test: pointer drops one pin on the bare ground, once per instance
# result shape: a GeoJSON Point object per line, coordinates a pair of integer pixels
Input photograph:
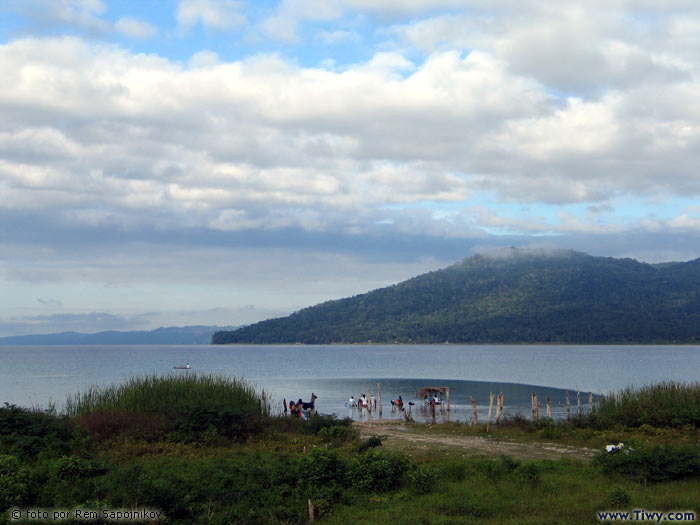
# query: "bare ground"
{"type": "Point", "coordinates": [409, 438]}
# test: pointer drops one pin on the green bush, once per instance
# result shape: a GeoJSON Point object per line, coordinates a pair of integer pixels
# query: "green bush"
{"type": "Point", "coordinates": [28, 434]}
{"type": "Point", "coordinates": [654, 463]}
{"type": "Point", "coordinates": [377, 470]}
{"type": "Point", "coordinates": [528, 473]}
{"type": "Point", "coordinates": [338, 434]}
{"type": "Point", "coordinates": [509, 463]}
{"type": "Point", "coordinates": [316, 423]}
{"type": "Point", "coordinates": [370, 442]}
{"type": "Point", "coordinates": [244, 489]}
{"type": "Point", "coordinates": [618, 498]}
{"type": "Point", "coordinates": [321, 468]}
{"type": "Point", "coordinates": [13, 482]}
{"type": "Point", "coordinates": [203, 422]}
{"type": "Point", "coordinates": [493, 470]}
{"type": "Point", "coordinates": [134, 425]}
{"type": "Point", "coordinates": [454, 470]}
{"type": "Point", "coordinates": [423, 478]}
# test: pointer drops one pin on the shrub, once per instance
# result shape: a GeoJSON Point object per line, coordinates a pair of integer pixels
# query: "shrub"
{"type": "Point", "coordinates": [322, 425]}
{"type": "Point", "coordinates": [509, 463]}
{"type": "Point", "coordinates": [654, 463]}
{"type": "Point", "coordinates": [13, 483]}
{"type": "Point", "coordinates": [318, 422]}
{"type": "Point", "coordinates": [73, 467]}
{"type": "Point", "coordinates": [66, 481]}
{"type": "Point", "coordinates": [370, 442]}
{"type": "Point", "coordinates": [28, 434]}
{"type": "Point", "coordinates": [338, 434]}
{"type": "Point", "coordinates": [137, 426]}
{"type": "Point", "coordinates": [494, 471]}
{"type": "Point", "coordinates": [423, 478]}
{"type": "Point", "coordinates": [528, 473]}
{"type": "Point", "coordinates": [618, 498]}
{"type": "Point", "coordinates": [377, 471]}
{"type": "Point", "coordinates": [454, 470]}
{"type": "Point", "coordinates": [321, 468]}
{"type": "Point", "coordinates": [197, 422]}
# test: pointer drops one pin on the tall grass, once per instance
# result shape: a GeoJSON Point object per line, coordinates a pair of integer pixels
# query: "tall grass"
{"type": "Point", "coordinates": [166, 395]}
{"type": "Point", "coordinates": [667, 404]}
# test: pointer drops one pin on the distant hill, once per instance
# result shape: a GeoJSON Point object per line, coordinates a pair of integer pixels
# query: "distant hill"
{"type": "Point", "coordinates": [515, 296]}
{"type": "Point", "coordinates": [175, 335]}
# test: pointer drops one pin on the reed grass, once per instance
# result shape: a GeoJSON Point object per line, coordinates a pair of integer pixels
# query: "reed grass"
{"type": "Point", "coordinates": [166, 395]}
{"type": "Point", "coordinates": [667, 404]}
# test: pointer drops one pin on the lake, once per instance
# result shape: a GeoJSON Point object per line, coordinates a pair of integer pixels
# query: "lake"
{"type": "Point", "coordinates": [39, 375]}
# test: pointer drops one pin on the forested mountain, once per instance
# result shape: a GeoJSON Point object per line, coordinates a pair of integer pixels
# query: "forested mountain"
{"type": "Point", "coordinates": [518, 296]}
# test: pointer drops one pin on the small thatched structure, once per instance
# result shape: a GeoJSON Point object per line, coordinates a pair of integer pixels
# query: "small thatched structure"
{"type": "Point", "coordinates": [427, 391]}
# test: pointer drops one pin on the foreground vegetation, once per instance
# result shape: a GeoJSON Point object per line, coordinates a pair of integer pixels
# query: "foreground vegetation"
{"type": "Point", "coordinates": [206, 449]}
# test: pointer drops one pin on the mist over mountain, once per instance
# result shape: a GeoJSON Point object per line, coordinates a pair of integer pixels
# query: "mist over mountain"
{"type": "Point", "coordinates": [174, 335]}
{"type": "Point", "coordinates": [507, 296]}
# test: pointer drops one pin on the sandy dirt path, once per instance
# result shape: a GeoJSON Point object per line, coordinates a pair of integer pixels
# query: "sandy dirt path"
{"type": "Point", "coordinates": [399, 436]}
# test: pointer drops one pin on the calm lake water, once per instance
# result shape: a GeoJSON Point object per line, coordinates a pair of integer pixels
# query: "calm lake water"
{"type": "Point", "coordinates": [38, 375]}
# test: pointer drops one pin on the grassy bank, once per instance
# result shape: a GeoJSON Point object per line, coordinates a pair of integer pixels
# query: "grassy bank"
{"type": "Point", "coordinates": [205, 449]}
{"type": "Point", "coordinates": [669, 404]}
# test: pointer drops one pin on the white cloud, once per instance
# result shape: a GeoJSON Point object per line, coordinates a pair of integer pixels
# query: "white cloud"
{"type": "Point", "coordinates": [135, 28]}
{"type": "Point", "coordinates": [106, 135]}
{"type": "Point", "coordinates": [685, 221]}
{"type": "Point", "coordinates": [213, 14]}
{"type": "Point", "coordinates": [338, 37]}
{"type": "Point", "coordinates": [49, 15]}
{"type": "Point", "coordinates": [283, 24]}
{"type": "Point", "coordinates": [204, 59]}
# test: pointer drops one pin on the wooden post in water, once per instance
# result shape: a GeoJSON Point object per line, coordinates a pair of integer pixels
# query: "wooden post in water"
{"type": "Point", "coordinates": [379, 396]}
{"type": "Point", "coordinates": [549, 408]}
{"type": "Point", "coordinates": [590, 403]}
{"type": "Point", "coordinates": [568, 406]}
{"type": "Point", "coordinates": [488, 419]}
{"type": "Point", "coordinates": [578, 402]}
{"type": "Point", "coordinates": [499, 407]}
{"type": "Point", "coordinates": [447, 395]}
{"type": "Point", "coordinates": [476, 417]}
{"type": "Point", "coordinates": [535, 407]}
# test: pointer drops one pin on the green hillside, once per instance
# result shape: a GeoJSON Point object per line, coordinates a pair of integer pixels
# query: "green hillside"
{"type": "Point", "coordinates": [518, 297]}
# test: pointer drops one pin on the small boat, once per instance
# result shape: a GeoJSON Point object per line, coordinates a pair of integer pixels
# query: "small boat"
{"type": "Point", "coordinates": [183, 367]}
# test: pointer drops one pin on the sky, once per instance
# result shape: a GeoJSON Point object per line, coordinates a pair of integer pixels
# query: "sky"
{"type": "Point", "coordinates": [181, 162]}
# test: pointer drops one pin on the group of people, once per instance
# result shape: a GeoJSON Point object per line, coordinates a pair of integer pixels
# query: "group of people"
{"type": "Point", "coordinates": [362, 402]}
{"type": "Point", "coordinates": [397, 403]}
{"type": "Point", "coordinates": [371, 403]}
{"type": "Point", "coordinates": [297, 409]}
{"type": "Point", "coordinates": [432, 401]}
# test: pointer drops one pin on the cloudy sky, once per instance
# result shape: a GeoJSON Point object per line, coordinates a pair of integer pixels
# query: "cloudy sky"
{"type": "Point", "coordinates": [169, 162]}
